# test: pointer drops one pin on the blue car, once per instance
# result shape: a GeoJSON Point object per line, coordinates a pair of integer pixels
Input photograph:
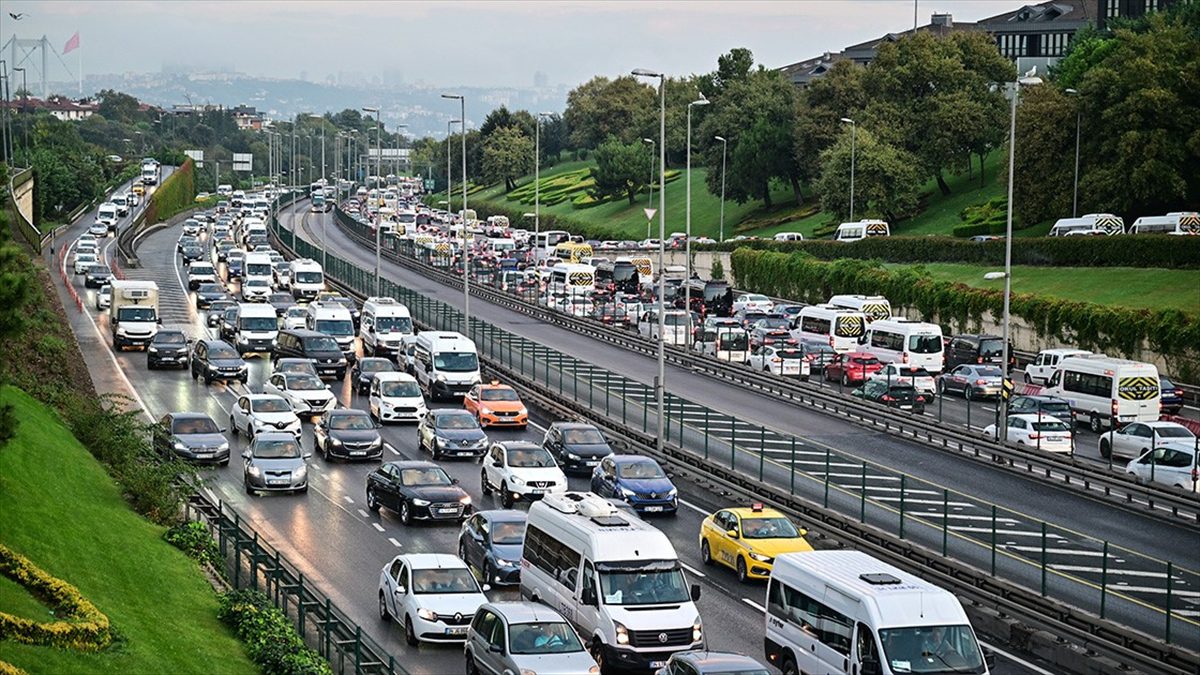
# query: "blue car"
{"type": "Point", "coordinates": [1172, 396]}
{"type": "Point", "coordinates": [638, 480]}
{"type": "Point", "coordinates": [491, 542]}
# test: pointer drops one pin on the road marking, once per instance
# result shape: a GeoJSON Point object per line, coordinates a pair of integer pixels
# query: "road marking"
{"type": "Point", "coordinates": [1175, 592]}
{"type": "Point", "coordinates": [394, 542]}
{"type": "Point", "coordinates": [1011, 533]}
{"type": "Point", "coordinates": [961, 516]}
{"type": "Point", "coordinates": [920, 501]}
{"type": "Point", "coordinates": [1064, 551]}
{"type": "Point", "coordinates": [391, 449]}
{"type": "Point", "coordinates": [695, 572]}
{"type": "Point", "coordinates": [1015, 659]}
{"type": "Point", "coordinates": [377, 526]}
{"type": "Point", "coordinates": [693, 507]}
{"type": "Point", "coordinates": [363, 513]}
{"type": "Point", "coordinates": [1097, 570]}
{"type": "Point", "coordinates": [755, 605]}
{"type": "Point", "coordinates": [348, 499]}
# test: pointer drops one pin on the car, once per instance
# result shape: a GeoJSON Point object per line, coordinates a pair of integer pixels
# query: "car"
{"type": "Point", "coordinates": [191, 227]}
{"type": "Point", "coordinates": [1041, 404]}
{"type": "Point", "coordinates": [97, 276]}
{"type": "Point", "coordinates": [216, 312]}
{"type": "Point", "coordinates": [191, 252]}
{"type": "Point", "coordinates": [365, 369]}
{"type": "Point", "coordinates": [307, 394]}
{"type": "Point", "coordinates": [576, 446]}
{"type": "Point", "coordinates": [98, 229]}
{"type": "Point", "coordinates": [84, 261]}
{"type": "Point", "coordinates": [638, 480]}
{"type": "Point", "coordinates": [789, 312]}
{"type": "Point", "coordinates": [320, 349]}
{"type": "Point", "coordinates": [223, 249]}
{"type": "Point", "coordinates": [1172, 396]}
{"type": "Point", "coordinates": [785, 361]}
{"type": "Point", "coordinates": [451, 432]}
{"type": "Point", "coordinates": [702, 662]}
{"type": "Point", "coordinates": [275, 462]}
{"type": "Point", "coordinates": [753, 302]}
{"type": "Point", "coordinates": [186, 240]}
{"type": "Point", "coordinates": [417, 490]}
{"type": "Point", "coordinates": [491, 542]}
{"type": "Point", "coordinates": [256, 290]}
{"type": "Point", "coordinates": [1173, 464]}
{"type": "Point", "coordinates": [852, 368]}
{"type": "Point", "coordinates": [227, 327]}
{"type": "Point", "coordinates": [1042, 432]}
{"type": "Point", "coordinates": [899, 395]}
{"type": "Point", "coordinates": [917, 376]}
{"type": "Point", "coordinates": [527, 638]}
{"type": "Point", "coordinates": [209, 293]}
{"type": "Point", "coordinates": [396, 397]}
{"type": "Point", "coordinates": [104, 297]}
{"type": "Point", "coordinates": [295, 317]}
{"type": "Point", "coordinates": [281, 302]}
{"type": "Point", "coordinates": [167, 348]}
{"type": "Point", "coordinates": [972, 381]}
{"type": "Point", "coordinates": [748, 539]}
{"type": "Point", "coordinates": [771, 330]}
{"type": "Point", "coordinates": [294, 365]}
{"type": "Point", "coordinates": [192, 436]}
{"type": "Point", "coordinates": [433, 596]}
{"type": "Point", "coordinates": [496, 404]}
{"type": "Point", "coordinates": [253, 414]}
{"type": "Point", "coordinates": [520, 470]}
{"type": "Point", "coordinates": [1135, 439]}
{"type": "Point", "coordinates": [748, 317]}
{"type": "Point", "coordinates": [217, 360]}
{"type": "Point", "coordinates": [978, 349]}
{"type": "Point", "coordinates": [347, 433]}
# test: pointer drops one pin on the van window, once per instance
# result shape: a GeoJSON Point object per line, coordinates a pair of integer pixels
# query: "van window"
{"type": "Point", "coordinates": [456, 362]}
{"type": "Point", "coordinates": [642, 585]}
{"type": "Point", "coordinates": [950, 646]}
{"type": "Point", "coordinates": [814, 325]}
{"type": "Point", "coordinates": [885, 340]}
{"type": "Point", "coordinates": [924, 344]}
{"type": "Point", "coordinates": [831, 628]}
{"type": "Point", "coordinates": [1087, 383]}
{"type": "Point", "coordinates": [559, 561]}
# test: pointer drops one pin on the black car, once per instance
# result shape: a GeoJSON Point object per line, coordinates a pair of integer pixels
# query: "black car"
{"type": "Point", "coordinates": [192, 436]}
{"type": "Point", "coordinates": [216, 312]}
{"type": "Point", "coordinates": [417, 491]}
{"type": "Point", "coordinates": [185, 241]}
{"type": "Point", "coordinates": [576, 446]}
{"type": "Point", "coordinates": [749, 317]}
{"type": "Point", "coordinates": [223, 250]}
{"type": "Point", "coordinates": [1172, 396]}
{"type": "Point", "coordinates": [1046, 405]}
{"type": "Point", "coordinates": [217, 360]}
{"type": "Point", "coordinates": [227, 328]}
{"type": "Point", "coordinates": [209, 292]}
{"type": "Point", "coordinates": [364, 371]}
{"type": "Point", "coordinates": [97, 276]}
{"type": "Point", "coordinates": [771, 330]}
{"type": "Point", "coordinates": [451, 432]}
{"type": "Point", "coordinates": [346, 433]}
{"type": "Point", "coordinates": [322, 350]}
{"type": "Point", "coordinates": [898, 395]}
{"type": "Point", "coordinates": [192, 252]}
{"type": "Point", "coordinates": [491, 542]}
{"type": "Point", "coordinates": [978, 349]}
{"type": "Point", "coordinates": [281, 302]}
{"type": "Point", "coordinates": [167, 348]}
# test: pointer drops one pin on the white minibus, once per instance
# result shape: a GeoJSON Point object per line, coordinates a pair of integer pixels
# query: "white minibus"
{"type": "Point", "coordinates": [445, 363]}
{"type": "Point", "coordinates": [676, 326]}
{"type": "Point", "coordinates": [1176, 223]}
{"type": "Point", "coordinates": [1107, 392]}
{"type": "Point", "coordinates": [861, 230]}
{"type": "Point", "coordinates": [876, 307]}
{"type": "Point", "coordinates": [901, 340]}
{"type": "Point", "coordinates": [839, 327]}
{"type": "Point", "coordinates": [1092, 223]}
{"type": "Point", "coordinates": [572, 279]}
{"type": "Point", "coordinates": [386, 326]}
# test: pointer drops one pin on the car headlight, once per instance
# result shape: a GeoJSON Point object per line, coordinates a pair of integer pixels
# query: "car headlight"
{"type": "Point", "coordinates": [224, 447]}
{"type": "Point", "coordinates": [427, 614]}
{"type": "Point", "coordinates": [334, 441]}
{"type": "Point", "coordinates": [760, 557]}
{"type": "Point", "coordinates": [385, 405]}
{"type": "Point", "coordinates": [697, 631]}
{"type": "Point", "coordinates": [485, 411]}
{"type": "Point", "coordinates": [516, 480]}
{"type": "Point", "coordinates": [623, 633]}
{"type": "Point", "coordinates": [627, 493]}
{"type": "Point", "coordinates": [420, 502]}
{"type": "Point", "coordinates": [571, 455]}
{"type": "Point", "coordinates": [377, 442]}
{"type": "Point", "coordinates": [302, 472]}
{"type": "Point", "coordinates": [441, 441]}
{"type": "Point", "coordinates": [152, 350]}
{"type": "Point", "coordinates": [506, 563]}
{"type": "Point", "coordinates": [242, 339]}
{"type": "Point", "coordinates": [465, 500]}
{"type": "Point", "coordinates": [441, 378]}
{"type": "Point", "coordinates": [673, 492]}
{"type": "Point", "coordinates": [254, 471]}
{"type": "Point", "coordinates": [180, 446]}
{"type": "Point", "coordinates": [523, 411]}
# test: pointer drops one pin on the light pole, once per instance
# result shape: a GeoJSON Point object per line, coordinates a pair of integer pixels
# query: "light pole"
{"type": "Point", "coordinates": [466, 256]}
{"type": "Point", "coordinates": [378, 171]}
{"type": "Point", "coordinates": [1078, 126]}
{"type": "Point", "coordinates": [853, 152]}
{"type": "Point", "coordinates": [724, 148]}
{"type": "Point", "coordinates": [660, 382]}
{"type": "Point", "coordinates": [537, 179]}
{"type": "Point", "coordinates": [650, 183]}
{"type": "Point", "coordinates": [687, 240]}
{"type": "Point", "coordinates": [449, 178]}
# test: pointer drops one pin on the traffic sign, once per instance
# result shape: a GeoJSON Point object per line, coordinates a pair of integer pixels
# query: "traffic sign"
{"type": "Point", "coordinates": [650, 213]}
{"type": "Point", "coordinates": [1006, 388]}
{"type": "Point", "coordinates": [429, 184]}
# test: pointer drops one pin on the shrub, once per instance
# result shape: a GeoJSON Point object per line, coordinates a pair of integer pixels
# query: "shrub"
{"type": "Point", "coordinates": [271, 640]}
{"type": "Point", "coordinates": [84, 627]}
{"type": "Point", "coordinates": [718, 270]}
{"type": "Point", "coordinates": [177, 193]}
{"type": "Point", "coordinates": [195, 540]}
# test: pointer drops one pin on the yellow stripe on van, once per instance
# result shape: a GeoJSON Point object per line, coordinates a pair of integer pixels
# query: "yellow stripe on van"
{"type": "Point", "coordinates": [1137, 388]}
{"type": "Point", "coordinates": [581, 279]}
{"type": "Point", "coordinates": [850, 326]}
{"type": "Point", "coordinates": [876, 311]}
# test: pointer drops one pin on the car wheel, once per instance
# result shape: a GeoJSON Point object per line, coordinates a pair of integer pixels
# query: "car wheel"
{"type": "Point", "coordinates": [433, 450]}
{"type": "Point", "coordinates": [1105, 449]}
{"type": "Point", "coordinates": [1136, 478]}
{"type": "Point", "coordinates": [410, 636]}
{"type": "Point", "coordinates": [1095, 423]}
{"type": "Point", "coordinates": [233, 426]}
{"type": "Point", "coordinates": [483, 483]}
{"type": "Point", "coordinates": [742, 574]}
{"type": "Point", "coordinates": [506, 497]}
{"type": "Point", "coordinates": [472, 668]}
{"type": "Point", "coordinates": [249, 490]}
{"type": "Point", "coordinates": [384, 614]}
{"type": "Point", "coordinates": [845, 380]}
{"type": "Point", "coordinates": [705, 553]}
{"type": "Point", "coordinates": [598, 655]}
{"type": "Point", "coordinates": [488, 573]}
{"type": "Point", "coordinates": [789, 667]}
{"type": "Point", "coordinates": [149, 364]}
{"type": "Point", "coordinates": [1028, 379]}
{"type": "Point", "coordinates": [372, 501]}
{"type": "Point", "coordinates": [405, 513]}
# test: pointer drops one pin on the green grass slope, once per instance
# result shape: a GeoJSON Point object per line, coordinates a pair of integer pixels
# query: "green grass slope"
{"type": "Point", "coordinates": [60, 509]}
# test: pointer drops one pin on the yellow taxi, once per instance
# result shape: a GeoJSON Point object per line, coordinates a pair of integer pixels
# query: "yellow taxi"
{"type": "Point", "coordinates": [138, 188]}
{"type": "Point", "coordinates": [748, 539]}
{"type": "Point", "coordinates": [496, 404]}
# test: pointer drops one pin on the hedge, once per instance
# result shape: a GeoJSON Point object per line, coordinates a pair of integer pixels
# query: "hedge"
{"type": "Point", "coordinates": [1174, 334]}
{"type": "Point", "coordinates": [86, 627]}
{"type": "Point", "coordinates": [1148, 250]}
{"type": "Point", "coordinates": [177, 193]}
{"type": "Point", "coordinates": [271, 640]}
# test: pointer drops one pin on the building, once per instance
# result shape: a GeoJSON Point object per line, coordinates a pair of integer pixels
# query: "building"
{"type": "Point", "coordinates": [60, 107]}
{"type": "Point", "coordinates": [247, 117]}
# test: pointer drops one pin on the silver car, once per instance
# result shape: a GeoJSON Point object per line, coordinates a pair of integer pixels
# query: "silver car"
{"type": "Point", "coordinates": [524, 637]}
{"type": "Point", "coordinates": [275, 462]}
{"type": "Point", "coordinates": [711, 663]}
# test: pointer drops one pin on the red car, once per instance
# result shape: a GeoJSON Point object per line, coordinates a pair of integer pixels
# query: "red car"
{"type": "Point", "coordinates": [852, 367]}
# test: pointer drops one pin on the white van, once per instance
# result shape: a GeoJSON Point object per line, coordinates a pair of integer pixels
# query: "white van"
{"type": "Point", "coordinates": [1176, 223]}
{"type": "Point", "coordinates": [445, 363]}
{"type": "Point", "coordinates": [876, 307]}
{"type": "Point", "coordinates": [502, 247]}
{"type": "Point", "coordinates": [256, 328]}
{"type": "Point", "coordinates": [224, 189]}
{"type": "Point", "coordinates": [789, 236]}
{"type": "Point", "coordinates": [616, 578]}
{"type": "Point", "coordinates": [861, 230]}
{"type": "Point", "coordinates": [901, 340]}
{"type": "Point", "coordinates": [676, 326]}
{"type": "Point", "coordinates": [333, 320]}
{"type": "Point", "coordinates": [846, 612]}
{"type": "Point", "coordinates": [252, 226]}
{"type": "Point", "coordinates": [841, 328]}
{"type": "Point", "coordinates": [106, 215]}
{"type": "Point", "coordinates": [386, 326]}
{"type": "Point", "coordinates": [307, 278]}
{"type": "Point", "coordinates": [1041, 369]}
{"type": "Point", "coordinates": [258, 266]}
{"type": "Point", "coordinates": [1092, 223]}
{"type": "Point", "coordinates": [121, 200]}
{"type": "Point", "coordinates": [396, 397]}
{"type": "Point", "coordinates": [727, 344]}
{"type": "Point", "coordinates": [572, 279]}
{"type": "Point", "coordinates": [1107, 392]}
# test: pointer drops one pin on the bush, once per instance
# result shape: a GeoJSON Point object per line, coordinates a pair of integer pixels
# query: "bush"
{"type": "Point", "coordinates": [177, 193]}
{"type": "Point", "coordinates": [83, 626]}
{"type": "Point", "coordinates": [195, 540]}
{"type": "Point", "coordinates": [270, 638]}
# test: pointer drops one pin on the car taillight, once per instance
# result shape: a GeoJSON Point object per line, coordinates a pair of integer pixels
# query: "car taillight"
{"type": "Point", "coordinates": [980, 382]}
{"type": "Point", "coordinates": [1034, 437]}
{"type": "Point", "coordinates": [830, 340]}
{"type": "Point", "coordinates": [904, 357]}
{"type": "Point", "coordinates": [887, 397]}
{"type": "Point", "coordinates": [769, 341]}
{"type": "Point", "coordinates": [1195, 474]}
{"type": "Point", "coordinates": [1114, 410]}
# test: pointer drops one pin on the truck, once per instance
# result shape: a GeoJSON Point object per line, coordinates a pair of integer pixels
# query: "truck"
{"type": "Point", "coordinates": [149, 172]}
{"type": "Point", "coordinates": [133, 315]}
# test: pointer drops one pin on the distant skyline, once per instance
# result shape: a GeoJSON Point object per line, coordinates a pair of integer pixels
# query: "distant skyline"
{"type": "Point", "coordinates": [503, 43]}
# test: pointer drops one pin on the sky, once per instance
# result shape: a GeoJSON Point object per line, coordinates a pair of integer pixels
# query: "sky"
{"type": "Point", "coordinates": [471, 43]}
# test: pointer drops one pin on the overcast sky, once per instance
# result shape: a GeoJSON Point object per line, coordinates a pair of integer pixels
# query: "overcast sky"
{"type": "Point", "coordinates": [497, 43]}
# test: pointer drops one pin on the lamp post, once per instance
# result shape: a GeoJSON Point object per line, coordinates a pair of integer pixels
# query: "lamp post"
{"type": "Point", "coordinates": [687, 233]}
{"type": "Point", "coordinates": [660, 382]}
{"type": "Point", "coordinates": [378, 171]}
{"type": "Point", "coordinates": [537, 178]}
{"type": "Point", "coordinates": [1078, 126]}
{"type": "Point", "coordinates": [650, 198]}
{"type": "Point", "coordinates": [853, 152]}
{"type": "Point", "coordinates": [466, 256]}
{"type": "Point", "coordinates": [724, 148]}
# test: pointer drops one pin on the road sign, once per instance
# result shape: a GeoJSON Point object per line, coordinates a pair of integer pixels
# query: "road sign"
{"type": "Point", "coordinates": [429, 184]}
{"type": "Point", "coordinates": [650, 213]}
{"type": "Point", "coordinates": [1006, 388]}
{"type": "Point", "coordinates": [197, 157]}
{"type": "Point", "coordinates": [243, 161]}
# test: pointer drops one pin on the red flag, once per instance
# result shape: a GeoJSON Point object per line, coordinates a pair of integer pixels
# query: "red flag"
{"type": "Point", "coordinates": [72, 44]}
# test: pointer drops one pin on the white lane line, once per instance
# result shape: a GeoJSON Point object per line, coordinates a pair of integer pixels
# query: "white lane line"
{"type": "Point", "coordinates": [1015, 659]}
{"type": "Point", "coordinates": [1151, 589]}
{"type": "Point", "coordinates": [962, 516]}
{"type": "Point", "coordinates": [1097, 570]}
{"type": "Point", "coordinates": [348, 499]}
{"type": "Point", "coordinates": [693, 507]}
{"type": "Point", "coordinates": [1011, 533]}
{"type": "Point", "coordinates": [921, 501]}
{"type": "Point", "coordinates": [1062, 551]}
{"type": "Point", "coordinates": [693, 571]}
{"type": "Point", "coordinates": [363, 513]}
{"type": "Point", "coordinates": [755, 605]}
{"type": "Point", "coordinates": [394, 542]}
{"type": "Point", "coordinates": [391, 449]}
{"type": "Point", "coordinates": [377, 526]}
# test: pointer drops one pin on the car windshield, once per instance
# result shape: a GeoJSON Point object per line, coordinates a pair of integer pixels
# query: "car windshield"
{"type": "Point", "coordinates": [1171, 457]}
{"type": "Point", "coordinates": [1053, 425]}
{"type": "Point", "coordinates": [462, 420]}
{"type": "Point", "coordinates": [294, 312]}
{"type": "Point", "coordinates": [351, 422]}
{"type": "Point", "coordinates": [530, 457]}
{"type": "Point", "coordinates": [456, 362]}
{"type": "Point", "coordinates": [304, 382]}
{"type": "Point", "coordinates": [309, 277]}
{"type": "Point", "coordinates": [582, 437]}
{"type": "Point", "coordinates": [733, 341]}
{"type": "Point", "coordinates": [543, 638]}
{"type": "Point", "coordinates": [165, 338]}
{"type": "Point", "coordinates": [774, 322]}
{"type": "Point", "coordinates": [259, 323]}
{"type": "Point", "coordinates": [987, 372]}
{"type": "Point", "coordinates": [642, 469]}
{"type": "Point", "coordinates": [499, 394]}
{"type": "Point", "coordinates": [375, 366]}
{"type": "Point", "coordinates": [424, 476]}
{"type": "Point", "coordinates": [865, 360]}
{"type": "Point", "coordinates": [775, 527]}
{"type": "Point", "coordinates": [136, 314]}
{"type": "Point", "coordinates": [99, 269]}
{"type": "Point", "coordinates": [195, 425]}
{"type": "Point", "coordinates": [273, 404]}
{"type": "Point", "coordinates": [1052, 407]}
{"type": "Point", "coordinates": [673, 319]}
{"type": "Point", "coordinates": [1173, 432]}
{"type": "Point", "coordinates": [284, 448]}
{"type": "Point", "coordinates": [335, 326]}
{"type": "Point", "coordinates": [211, 288]}
{"type": "Point", "coordinates": [643, 587]}
{"type": "Point", "coordinates": [322, 343]}
{"type": "Point", "coordinates": [439, 581]}
{"type": "Point", "coordinates": [932, 649]}
{"type": "Point", "coordinates": [403, 389]}
{"type": "Point", "coordinates": [222, 351]}
{"type": "Point", "coordinates": [388, 324]}
{"type": "Point", "coordinates": [508, 532]}
{"type": "Point", "coordinates": [924, 344]}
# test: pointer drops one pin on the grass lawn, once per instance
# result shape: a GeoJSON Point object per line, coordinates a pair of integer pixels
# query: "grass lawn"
{"type": "Point", "coordinates": [1141, 288]}
{"type": "Point", "coordinates": [62, 511]}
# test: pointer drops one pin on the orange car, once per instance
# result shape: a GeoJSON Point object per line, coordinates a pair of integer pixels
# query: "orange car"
{"type": "Point", "coordinates": [496, 404]}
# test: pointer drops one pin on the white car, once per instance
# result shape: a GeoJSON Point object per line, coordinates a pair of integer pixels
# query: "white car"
{"type": "Point", "coordinates": [255, 413]}
{"type": "Point", "coordinates": [1173, 464]}
{"type": "Point", "coordinates": [256, 290]}
{"type": "Point", "coordinates": [84, 262]}
{"type": "Point", "coordinates": [88, 246]}
{"type": "Point", "coordinates": [575, 305]}
{"type": "Point", "coordinates": [753, 302]}
{"type": "Point", "coordinates": [396, 397]}
{"type": "Point", "coordinates": [104, 297]}
{"type": "Point", "coordinates": [98, 229]}
{"type": "Point", "coordinates": [294, 317]}
{"type": "Point", "coordinates": [191, 227]}
{"type": "Point", "coordinates": [434, 596]}
{"type": "Point", "coordinates": [917, 376]}
{"type": "Point", "coordinates": [520, 470]}
{"type": "Point", "coordinates": [1042, 432]}
{"type": "Point", "coordinates": [86, 237]}
{"type": "Point", "coordinates": [306, 392]}
{"type": "Point", "coordinates": [785, 361]}
{"type": "Point", "coordinates": [1133, 440]}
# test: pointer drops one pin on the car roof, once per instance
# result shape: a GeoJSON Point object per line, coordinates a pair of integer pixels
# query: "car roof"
{"type": "Point", "coordinates": [413, 464]}
{"type": "Point", "coordinates": [189, 416]}
{"type": "Point", "coordinates": [525, 612]}
{"type": "Point", "coordinates": [437, 412]}
{"type": "Point", "coordinates": [630, 459]}
{"type": "Point", "coordinates": [724, 660]}
{"type": "Point", "coordinates": [518, 445]}
{"type": "Point", "coordinates": [341, 412]}
{"type": "Point", "coordinates": [749, 512]}
{"type": "Point", "coordinates": [217, 343]}
{"type": "Point", "coordinates": [263, 397]}
{"type": "Point", "coordinates": [572, 425]}
{"type": "Point", "coordinates": [505, 515]}
{"type": "Point", "coordinates": [426, 561]}
{"type": "Point", "coordinates": [275, 436]}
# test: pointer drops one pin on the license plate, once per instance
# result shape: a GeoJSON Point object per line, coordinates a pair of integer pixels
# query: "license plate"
{"type": "Point", "coordinates": [276, 481]}
{"type": "Point", "coordinates": [653, 509]}
{"type": "Point", "coordinates": [457, 630]}
{"type": "Point", "coordinates": [593, 463]}
{"type": "Point", "coordinates": [658, 664]}
{"type": "Point", "coordinates": [447, 510]}
{"type": "Point", "coordinates": [358, 453]}
{"type": "Point", "coordinates": [203, 455]}
{"type": "Point", "coordinates": [906, 406]}
{"type": "Point", "coordinates": [537, 492]}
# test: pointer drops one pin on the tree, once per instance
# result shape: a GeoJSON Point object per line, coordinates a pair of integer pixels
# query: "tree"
{"type": "Point", "coordinates": [1044, 163]}
{"type": "Point", "coordinates": [836, 95]}
{"type": "Point", "coordinates": [119, 107]}
{"type": "Point", "coordinates": [887, 182]}
{"type": "Point", "coordinates": [621, 169]}
{"type": "Point", "coordinates": [601, 107]}
{"type": "Point", "coordinates": [733, 66]}
{"type": "Point", "coordinates": [507, 154]}
{"type": "Point", "coordinates": [555, 136]}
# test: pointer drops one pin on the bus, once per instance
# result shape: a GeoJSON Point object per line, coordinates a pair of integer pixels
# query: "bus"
{"type": "Point", "coordinates": [1176, 223]}
{"type": "Point", "coordinates": [547, 240]}
{"type": "Point", "coordinates": [841, 328]}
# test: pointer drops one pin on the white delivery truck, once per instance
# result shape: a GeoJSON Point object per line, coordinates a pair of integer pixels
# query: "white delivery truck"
{"type": "Point", "coordinates": [307, 279]}
{"type": "Point", "coordinates": [107, 216]}
{"type": "Point", "coordinates": [386, 327]}
{"type": "Point", "coordinates": [133, 315]}
{"type": "Point", "coordinates": [149, 172]}
{"type": "Point", "coordinates": [845, 612]}
{"type": "Point", "coordinates": [121, 200]}
{"type": "Point", "coordinates": [256, 328]}
{"type": "Point", "coordinates": [445, 363]}
{"type": "Point", "coordinates": [1107, 392]}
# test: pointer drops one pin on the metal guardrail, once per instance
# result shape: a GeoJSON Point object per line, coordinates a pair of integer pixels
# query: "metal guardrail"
{"type": "Point", "coordinates": [545, 371]}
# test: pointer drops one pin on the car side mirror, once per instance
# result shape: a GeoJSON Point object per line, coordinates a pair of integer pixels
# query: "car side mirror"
{"type": "Point", "coordinates": [496, 464]}
{"type": "Point", "coordinates": [401, 589]}
{"type": "Point", "coordinates": [486, 587]}
{"type": "Point", "coordinates": [589, 597]}
{"type": "Point", "coordinates": [308, 455]}
{"type": "Point", "coordinates": [223, 430]}
{"type": "Point", "coordinates": [732, 534]}
{"type": "Point", "coordinates": [695, 592]}
{"type": "Point", "coordinates": [245, 454]}
{"type": "Point", "coordinates": [454, 481]}
{"type": "Point", "coordinates": [497, 649]}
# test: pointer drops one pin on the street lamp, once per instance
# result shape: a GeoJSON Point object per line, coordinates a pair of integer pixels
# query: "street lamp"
{"type": "Point", "coordinates": [466, 256]}
{"type": "Point", "coordinates": [650, 198]}
{"type": "Point", "coordinates": [1075, 190]}
{"type": "Point", "coordinates": [724, 148]}
{"type": "Point", "coordinates": [537, 179]}
{"type": "Point", "coordinates": [687, 241]}
{"type": "Point", "coordinates": [660, 382]}
{"type": "Point", "coordinates": [378, 172]}
{"type": "Point", "coordinates": [853, 151]}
